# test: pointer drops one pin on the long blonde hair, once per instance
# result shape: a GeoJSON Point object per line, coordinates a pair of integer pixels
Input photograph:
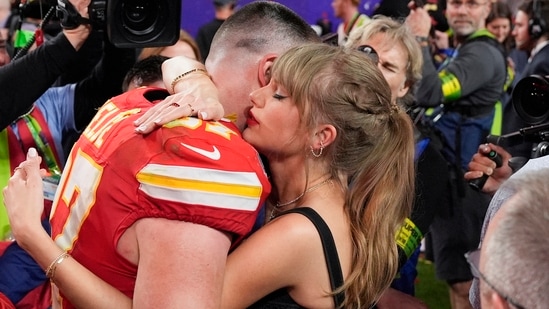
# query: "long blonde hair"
{"type": "Point", "coordinates": [374, 148]}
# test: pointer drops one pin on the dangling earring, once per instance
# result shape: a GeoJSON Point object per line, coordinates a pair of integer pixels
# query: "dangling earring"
{"type": "Point", "coordinates": [317, 155]}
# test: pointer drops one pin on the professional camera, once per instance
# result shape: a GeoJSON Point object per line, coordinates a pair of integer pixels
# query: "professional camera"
{"type": "Point", "coordinates": [531, 102]}
{"type": "Point", "coordinates": [531, 99]}
{"type": "Point", "coordinates": [129, 23]}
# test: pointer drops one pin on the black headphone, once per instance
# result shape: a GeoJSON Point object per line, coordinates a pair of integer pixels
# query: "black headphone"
{"type": "Point", "coordinates": [536, 25]}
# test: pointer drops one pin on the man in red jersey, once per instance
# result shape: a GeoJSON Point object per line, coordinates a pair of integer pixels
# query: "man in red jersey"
{"type": "Point", "coordinates": [156, 215]}
{"type": "Point", "coordinates": [183, 195]}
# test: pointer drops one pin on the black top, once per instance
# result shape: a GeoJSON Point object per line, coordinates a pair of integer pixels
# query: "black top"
{"type": "Point", "coordinates": [280, 299]}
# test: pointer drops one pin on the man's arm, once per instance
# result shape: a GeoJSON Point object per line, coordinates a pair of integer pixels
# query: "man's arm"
{"type": "Point", "coordinates": [24, 80]}
{"type": "Point", "coordinates": [181, 264]}
{"type": "Point", "coordinates": [419, 22]}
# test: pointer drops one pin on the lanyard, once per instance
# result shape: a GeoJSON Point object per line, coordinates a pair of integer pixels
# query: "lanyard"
{"type": "Point", "coordinates": [42, 144]}
{"type": "Point", "coordinates": [351, 24]}
{"type": "Point", "coordinates": [451, 55]}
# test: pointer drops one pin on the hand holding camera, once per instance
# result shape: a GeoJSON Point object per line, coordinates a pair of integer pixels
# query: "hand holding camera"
{"type": "Point", "coordinates": [129, 23]}
{"type": "Point", "coordinates": [489, 168]}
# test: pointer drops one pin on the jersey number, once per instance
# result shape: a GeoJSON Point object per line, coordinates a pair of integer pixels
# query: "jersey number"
{"type": "Point", "coordinates": [75, 199]}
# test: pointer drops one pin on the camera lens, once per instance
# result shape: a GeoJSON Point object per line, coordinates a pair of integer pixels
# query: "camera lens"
{"type": "Point", "coordinates": [140, 17]}
{"type": "Point", "coordinates": [531, 99]}
{"type": "Point", "coordinates": [143, 23]}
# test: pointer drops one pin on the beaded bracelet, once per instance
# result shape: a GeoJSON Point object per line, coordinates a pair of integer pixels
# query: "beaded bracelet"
{"type": "Point", "coordinates": [50, 271]}
{"type": "Point", "coordinates": [180, 77]}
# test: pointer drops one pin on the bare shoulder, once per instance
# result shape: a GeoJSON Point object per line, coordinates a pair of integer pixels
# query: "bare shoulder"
{"type": "Point", "coordinates": [294, 225]}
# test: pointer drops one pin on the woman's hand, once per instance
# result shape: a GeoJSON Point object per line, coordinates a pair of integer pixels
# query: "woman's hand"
{"type": "Point", "coordinates": [195, 94]}
{"type": "Point", "coordinates": [24, 200]}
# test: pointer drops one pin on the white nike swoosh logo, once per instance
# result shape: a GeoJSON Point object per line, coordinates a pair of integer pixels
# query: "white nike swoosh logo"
{"type": "Point", "coordinates": [214, 154]}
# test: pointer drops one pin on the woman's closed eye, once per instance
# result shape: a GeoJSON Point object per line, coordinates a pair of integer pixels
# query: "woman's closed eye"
{"type": "Point", "coordinates": [279, 96]}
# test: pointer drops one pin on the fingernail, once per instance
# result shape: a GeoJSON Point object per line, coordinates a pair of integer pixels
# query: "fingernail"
{"type": "Point", "coordinates": [140, 129]}
{"type": "Point", "coordinates": [489, 172]}
{"type": "Point", "coordinates": [203, 115]}
{"type": "Point", "coordinates": [32, 153]}
{"type": "Point", "coordinates": [158, 120]}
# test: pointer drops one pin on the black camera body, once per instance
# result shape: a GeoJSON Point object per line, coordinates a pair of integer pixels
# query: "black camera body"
{"type": "Point", "coordinates": [130, 23]}
{"type": "Point", "coordinates": [530, 100]}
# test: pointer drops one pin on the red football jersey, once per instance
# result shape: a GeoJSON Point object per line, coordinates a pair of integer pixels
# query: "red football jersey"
{"type": "Point", "coordinates": [191, 170]}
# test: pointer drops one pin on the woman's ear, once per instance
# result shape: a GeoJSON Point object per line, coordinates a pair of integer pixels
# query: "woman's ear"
{"type": "Point", "coordinates": [264, 69]}
{"type": "Point", "coordinates": [324, 135]}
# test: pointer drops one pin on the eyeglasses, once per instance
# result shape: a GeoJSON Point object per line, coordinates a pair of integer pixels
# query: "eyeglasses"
{"type": "Point", "coordinates": [473, 258]}
{"type": "Point", "coordinates": [469, 5]}
{"type": "Point", "coordinates": [370, 51]}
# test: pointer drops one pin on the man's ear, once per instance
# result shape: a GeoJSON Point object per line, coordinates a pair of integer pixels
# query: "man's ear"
{"type": "Point", "coordinates": [498, 302]}
{"type": "Point", "coordinates": [264, 68]}
{"type": "Point", "coordinates": [403, 89]}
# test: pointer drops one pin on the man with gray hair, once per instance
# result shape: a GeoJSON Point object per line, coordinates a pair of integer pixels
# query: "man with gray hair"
{"type": "Point", "coordinates": [512, 262]}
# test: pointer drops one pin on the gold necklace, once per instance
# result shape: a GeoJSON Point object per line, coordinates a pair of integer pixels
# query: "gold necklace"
{"type": "Point", "coordinates": [278, 204]}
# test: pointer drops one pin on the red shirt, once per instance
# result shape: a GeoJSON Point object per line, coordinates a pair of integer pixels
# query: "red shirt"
{"type": "Point", "coordinates": [190, 170]}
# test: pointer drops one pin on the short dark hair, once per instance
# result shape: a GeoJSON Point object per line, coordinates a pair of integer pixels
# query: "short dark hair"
{"type": "Point", "coordinates": [266, 26]}
{"type": "Point", "coordinates": [145, 72]}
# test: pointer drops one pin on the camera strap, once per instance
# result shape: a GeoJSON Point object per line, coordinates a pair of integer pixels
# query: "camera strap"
{"type": "Point", "coordinates": [69, 16]}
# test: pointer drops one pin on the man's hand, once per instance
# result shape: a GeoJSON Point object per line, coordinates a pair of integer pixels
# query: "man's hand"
{"type": "Point", "coordinates": [418, 20]}
{"type": "Point", "coordinates": [480, 164]}
{"type": "Point", "coordinates": [80, 34]}
{"type": "Point", "coordinates": [442, 41]}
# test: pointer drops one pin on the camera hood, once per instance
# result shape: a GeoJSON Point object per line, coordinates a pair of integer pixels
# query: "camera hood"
{"type": "Point", "coordinates": [531, 99]}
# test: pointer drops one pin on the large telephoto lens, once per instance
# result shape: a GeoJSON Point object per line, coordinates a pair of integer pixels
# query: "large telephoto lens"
{"type": "Point", "coordinates": [143, 23]}
{"type": "Point", "coordinates": [140, 16]}
{"type": "Point", "coordinates": [531, 99]}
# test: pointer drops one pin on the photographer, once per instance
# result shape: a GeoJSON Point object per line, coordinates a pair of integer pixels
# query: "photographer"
{"type": "Point", "coordinates": [530, 104]}
{"type": "Point", "coordinates": [482, 164]}
{"type": "Point", "coordinates": [531, 33]}
{"type": "Point", "coordinates": [39, 69]}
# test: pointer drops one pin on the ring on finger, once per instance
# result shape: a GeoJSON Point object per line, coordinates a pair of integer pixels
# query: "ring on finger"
{"type": "Point", "coordinates": [191, 107]}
